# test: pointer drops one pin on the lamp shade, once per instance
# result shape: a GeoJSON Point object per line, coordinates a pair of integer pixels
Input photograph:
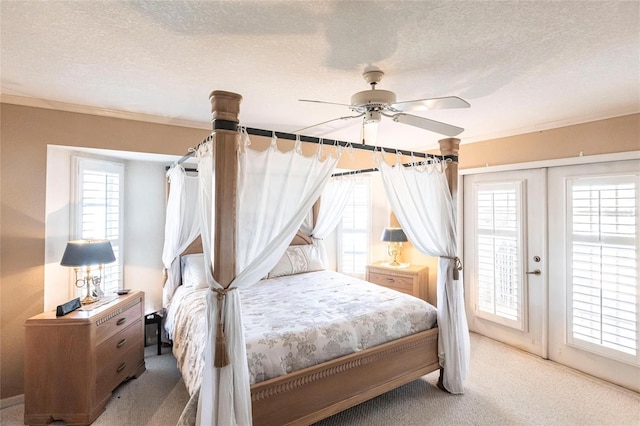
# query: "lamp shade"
{"type": "Point", "coordinates": [87, 252]}
{"type": "Point", "coordinates": [393, 235]}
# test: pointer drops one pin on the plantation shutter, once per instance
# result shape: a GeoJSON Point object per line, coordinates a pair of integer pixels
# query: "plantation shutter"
{"type": "Point", "coordinates": [354, 230]}
{"type": "Point", "coordinates": [498, 242]}
{"type": "Point", "coordinates": [603, 266]}
{"type": "Point", "coordinates": [99, 211]}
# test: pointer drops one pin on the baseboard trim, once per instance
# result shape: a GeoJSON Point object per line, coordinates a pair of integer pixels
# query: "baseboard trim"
{"type": "Point", "coordinates": [11, 401]}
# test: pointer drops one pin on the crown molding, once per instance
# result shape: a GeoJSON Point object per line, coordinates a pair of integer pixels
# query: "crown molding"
{"type": "Point", "coordinates": [103, 112]}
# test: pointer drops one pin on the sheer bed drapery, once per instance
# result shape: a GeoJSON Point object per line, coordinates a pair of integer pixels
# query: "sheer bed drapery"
{"type": "Point", "coordinates": [182, 225]}
{"type": "Point", "coordinates": [420, 198]}
{"type": "Point", "coordinates": [332, 203]}
{"type": "Point", "coordinates": [275, 190]}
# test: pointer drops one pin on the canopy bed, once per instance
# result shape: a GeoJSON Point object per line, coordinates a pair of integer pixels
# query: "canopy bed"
{"type": "Point", "coordinates": [251, 207]}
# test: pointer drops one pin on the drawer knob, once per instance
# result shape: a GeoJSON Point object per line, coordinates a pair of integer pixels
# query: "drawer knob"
{"type": "Point", "coordinates": [121, 343]}
{"type": "Point", "coordinates": [122, 366]}
{"type": "Point", "coordinates": [121, 321]}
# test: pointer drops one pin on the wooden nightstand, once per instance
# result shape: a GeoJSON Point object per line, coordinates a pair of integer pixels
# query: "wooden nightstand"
{"type": "Point", "coordinates": [74, 362]}
{"type": "Point", "coordinates": [413, 280]}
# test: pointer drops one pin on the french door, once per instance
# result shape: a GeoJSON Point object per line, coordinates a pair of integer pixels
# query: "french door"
{"type": "Point", "coordinates": [505, 259]}
{"type": "Point", "coordinates": [593, 283]}
{"type": "Point", "coordinates": [552, 266]}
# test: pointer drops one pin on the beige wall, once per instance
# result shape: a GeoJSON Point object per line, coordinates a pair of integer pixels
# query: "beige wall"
{"type": "Point", "coordinates": [25, 133]}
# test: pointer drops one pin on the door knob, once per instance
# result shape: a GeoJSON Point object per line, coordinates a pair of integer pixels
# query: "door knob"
{"type": "Point", "coordinates": [536, 272]}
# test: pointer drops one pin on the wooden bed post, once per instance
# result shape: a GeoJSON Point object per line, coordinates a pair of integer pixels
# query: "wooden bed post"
{"type": "Point", "coordinates": [451, 146]}
{"type": "Point", "coordinates": [225, 107]}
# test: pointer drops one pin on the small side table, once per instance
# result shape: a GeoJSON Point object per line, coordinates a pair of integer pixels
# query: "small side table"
{"type": "Point", "coordinates": [413, 280]}
{"type": "Point", "coordinates": [154, 318]}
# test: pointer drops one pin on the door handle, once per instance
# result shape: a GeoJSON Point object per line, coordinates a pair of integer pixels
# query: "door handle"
{"type": "Point", "coordinates": [536, 272]}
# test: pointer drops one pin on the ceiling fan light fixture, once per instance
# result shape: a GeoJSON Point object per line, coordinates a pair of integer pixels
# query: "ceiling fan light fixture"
{"type": "Point", "coordinates": [372, 116]}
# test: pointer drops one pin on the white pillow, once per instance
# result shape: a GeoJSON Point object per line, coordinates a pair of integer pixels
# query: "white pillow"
{"type": "Point", "coordinates": [296, 260]}
{"type": "Point", "coordinates": [193, 271]}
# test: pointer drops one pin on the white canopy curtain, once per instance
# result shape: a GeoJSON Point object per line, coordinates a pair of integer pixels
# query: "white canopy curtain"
{"type": "Point", "coordinates": [182, 225]}
{"type": "Point", "coordinates": [420, 198]}
{"type": "Point", "coordinates": [275, 190]}
{"type": "Point", "coordinates": [332, 203]}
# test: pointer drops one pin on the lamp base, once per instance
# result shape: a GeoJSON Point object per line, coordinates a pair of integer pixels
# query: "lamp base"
{"type": "Point", "coordinates": [88, 300]}
{"type": "Point", "coordinates": [395, 265]}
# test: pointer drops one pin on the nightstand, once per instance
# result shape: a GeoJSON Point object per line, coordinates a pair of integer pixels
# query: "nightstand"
{"type": "Point", "coordinates": [74, 362]}
{"type": "Point", "coordinates": [413, 280]}
{"type": "Point", "coordinates": [154, 318]}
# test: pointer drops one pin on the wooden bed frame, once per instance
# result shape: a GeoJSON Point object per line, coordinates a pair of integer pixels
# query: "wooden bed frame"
{"type": "Point", "coordinates": [317, 392]}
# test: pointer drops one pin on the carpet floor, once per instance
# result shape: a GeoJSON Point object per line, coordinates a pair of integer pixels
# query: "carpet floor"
{"type": "Point", "coordinates": [505, 387]}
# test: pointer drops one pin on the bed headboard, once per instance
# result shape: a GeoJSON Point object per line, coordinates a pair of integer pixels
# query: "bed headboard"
{"type": "Point", "coordinates": [300, 239]}
{"type": "Point", "coordinates": [194, 247]}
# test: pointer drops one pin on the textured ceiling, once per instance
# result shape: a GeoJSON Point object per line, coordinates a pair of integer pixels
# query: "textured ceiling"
{"type": "Point", "coordinates": [522, 65]}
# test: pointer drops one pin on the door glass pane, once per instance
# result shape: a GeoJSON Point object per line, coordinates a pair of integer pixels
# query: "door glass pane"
{"type": "Point", "coordinates": [603, 271]}
{"type": "Point", "coordinates": [499, 254]}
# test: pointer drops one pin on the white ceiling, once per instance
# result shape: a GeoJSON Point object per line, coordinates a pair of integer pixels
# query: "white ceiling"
{"type": "Point", "coordinates": [522, 65]}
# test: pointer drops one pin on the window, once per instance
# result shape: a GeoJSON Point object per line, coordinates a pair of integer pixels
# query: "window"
{"type": "Point", "coordinates": [98, 211]}
{"type": "Point", "coordinates": [499, 288]}
{"type": "Point", "coordinates": [353, 234]}
{"type": "Point", "coordinates": [602, 243]}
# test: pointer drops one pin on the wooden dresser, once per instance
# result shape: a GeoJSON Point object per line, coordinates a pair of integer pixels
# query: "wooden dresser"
{"type": "Point", "coordinates": [413, 280]}
{"type": "Point", "coordinates": [73, 363]}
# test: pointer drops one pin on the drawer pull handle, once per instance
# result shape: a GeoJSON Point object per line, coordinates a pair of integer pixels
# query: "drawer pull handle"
{"type": "Point", "coordinates": [122, 366]}
{"type": "Point", "coordinates": [121, 343]}
{"type": "Point", "coordinates": [390, 280]}
{"type": "Point", "coordinates": [121, 321]}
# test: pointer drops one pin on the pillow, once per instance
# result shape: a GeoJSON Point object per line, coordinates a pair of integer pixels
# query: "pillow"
{"type": "Point", "coordinates": [193, 271]}
{"type": "Point", "coordinates": [296, 260]}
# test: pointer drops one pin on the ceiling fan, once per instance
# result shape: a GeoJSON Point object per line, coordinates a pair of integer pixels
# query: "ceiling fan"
{"type": "Point", "coordinates": [374, 104]}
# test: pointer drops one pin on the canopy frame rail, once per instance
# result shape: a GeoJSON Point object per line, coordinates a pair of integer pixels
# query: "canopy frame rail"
{"type": "Point", "coordinates": [225, 124]}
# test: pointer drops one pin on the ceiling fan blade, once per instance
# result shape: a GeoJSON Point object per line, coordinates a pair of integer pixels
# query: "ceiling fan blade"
{"type": "Point", "coordinates": [425, 123]}
{"type": "Point", "coordinates": [323, 102]}
{"type": "Point", "coordinates": [430, 104]}
{"type": "Point", "coordinates": [328, 121]}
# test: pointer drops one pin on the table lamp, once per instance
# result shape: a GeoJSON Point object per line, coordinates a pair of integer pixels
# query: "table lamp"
{"type": "Point", "coordinates": [394, 237]}
{"type": "Point", "coordinates": [83, 254]}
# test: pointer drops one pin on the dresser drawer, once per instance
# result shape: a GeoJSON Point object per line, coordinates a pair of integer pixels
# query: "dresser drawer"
{"type": "Point", "coordinates": [124, 361]}
{"type": "Point", "coordinates": [117, 320]}
{"type": "Point", "coordinates": [403, 284]}
{"type": "Point", "coordinates": [117, 344]}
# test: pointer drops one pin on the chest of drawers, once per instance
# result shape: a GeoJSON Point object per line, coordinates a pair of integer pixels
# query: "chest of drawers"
{"type": "Point", "coordinates": [73, 363]}
{"type": "Point", "coordinates": [413, 280]}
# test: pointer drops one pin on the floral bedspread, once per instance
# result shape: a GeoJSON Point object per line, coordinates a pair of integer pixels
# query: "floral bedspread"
{"type": "Point", "coordinates": [297, 321]}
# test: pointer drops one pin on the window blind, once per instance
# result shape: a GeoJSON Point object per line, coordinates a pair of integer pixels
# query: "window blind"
{"type": "Point", "coordinates": [354, 231]}
{"type": "Point", "coordinates": [603, 272]}
{"type": "Point", "coordinates": [498, 248]}
{"type": "Point", "coordinates": [99, 211]}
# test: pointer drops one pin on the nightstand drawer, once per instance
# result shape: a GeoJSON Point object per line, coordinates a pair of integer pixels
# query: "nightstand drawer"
{"type": "Point", "coordinates": [117, 321]}
{"type": "Point", "coordinates": [118, 368]}
{"type": "Point", "coordinates": [403, 284]}
{"type": "Point", "coordinates": [116, 345]}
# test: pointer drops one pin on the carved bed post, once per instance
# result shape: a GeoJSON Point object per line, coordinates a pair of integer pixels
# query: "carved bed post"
{"type": "Point", "coordinates": [225, 107]}
{"type": "Point", "coordinates": [451, 146]}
